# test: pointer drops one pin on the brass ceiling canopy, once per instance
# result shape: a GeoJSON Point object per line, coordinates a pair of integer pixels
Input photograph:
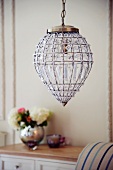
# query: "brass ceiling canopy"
{"type": "Point", "coordinates": [63, 60]}
{"type": "Point", "coordinates": [65, 28]}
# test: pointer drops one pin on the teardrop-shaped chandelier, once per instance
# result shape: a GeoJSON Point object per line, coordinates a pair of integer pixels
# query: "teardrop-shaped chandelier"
{"type": "Point", "coordinates": [63, 60]}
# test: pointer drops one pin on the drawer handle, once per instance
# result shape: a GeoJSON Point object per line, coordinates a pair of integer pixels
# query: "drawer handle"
{"type": "Point", "coordinates": [17, 166]}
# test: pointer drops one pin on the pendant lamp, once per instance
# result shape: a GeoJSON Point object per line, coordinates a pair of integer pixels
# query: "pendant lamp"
{"type": "Point", "coordinates": [63, 60]}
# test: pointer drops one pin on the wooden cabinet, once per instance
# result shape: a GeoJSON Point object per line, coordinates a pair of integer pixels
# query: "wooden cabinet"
{"type": "Point", "coordinates": [48, 165]}
{"type": "Point", "coordinates": [17, 163]}
{"type": "Point", "coordinates": [18, 157]}
{"type": "Point", "coordinates": [23, 163]}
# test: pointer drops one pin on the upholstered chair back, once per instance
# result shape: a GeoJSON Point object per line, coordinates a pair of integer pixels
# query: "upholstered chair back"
{"type": "Point", "coordinates": [96, 156]}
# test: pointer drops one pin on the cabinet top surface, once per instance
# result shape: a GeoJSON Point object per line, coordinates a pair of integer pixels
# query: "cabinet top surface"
{"type": "Point", "coordinates": [65, 153]}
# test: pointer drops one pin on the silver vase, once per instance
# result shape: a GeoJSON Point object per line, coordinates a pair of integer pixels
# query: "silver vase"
{"type": "Point", "coordinates": [32, 136]}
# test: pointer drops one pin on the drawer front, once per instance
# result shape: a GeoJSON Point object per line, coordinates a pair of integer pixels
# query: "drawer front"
{"type": "Point", "coordinates": [17, 164]}
{"type": "Point", "coordinates": [40, 165]}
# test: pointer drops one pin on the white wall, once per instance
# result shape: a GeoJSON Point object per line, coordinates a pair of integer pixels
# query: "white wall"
{"type": "Point", "coordinates": [84, 118]}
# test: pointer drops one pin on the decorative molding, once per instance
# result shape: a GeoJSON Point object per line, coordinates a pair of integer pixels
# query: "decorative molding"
{"type": "Point", "coordinates": [13, 53]}
{"type": "Point", "coordinates": [13, 59]}
{"type": "Point", "coordinates": [2, 62]}
{"type": "Point", "coordinates": [109, 54]}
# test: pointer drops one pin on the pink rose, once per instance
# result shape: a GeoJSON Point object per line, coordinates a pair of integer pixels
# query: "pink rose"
{"type": "Point", "coordinates": [21, 110]}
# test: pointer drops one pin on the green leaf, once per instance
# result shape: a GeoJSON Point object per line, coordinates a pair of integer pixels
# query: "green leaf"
{"type": "Point", "coordinates": [43, 124]}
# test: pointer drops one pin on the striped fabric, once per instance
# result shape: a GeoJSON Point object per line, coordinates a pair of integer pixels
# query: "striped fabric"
{"type": "Point", "coordinates": [96, 156]}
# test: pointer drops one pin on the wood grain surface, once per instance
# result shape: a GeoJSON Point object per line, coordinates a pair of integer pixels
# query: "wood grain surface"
{"type": "Point", "coordinates": [65, 153]}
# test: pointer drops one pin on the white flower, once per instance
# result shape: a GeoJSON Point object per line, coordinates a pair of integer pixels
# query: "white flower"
{"type": "Point", "coordinates": [12, 118]}
{"type": "Point", "coordinates": [34, 113]}
{"type": "Point", "coordinates": [40, 115]}
{"type": "Point", "coordinates": [22, 123]}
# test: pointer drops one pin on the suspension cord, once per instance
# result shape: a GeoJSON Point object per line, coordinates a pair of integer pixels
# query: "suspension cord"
{"type": "Point", "coordinates": [63, 13]}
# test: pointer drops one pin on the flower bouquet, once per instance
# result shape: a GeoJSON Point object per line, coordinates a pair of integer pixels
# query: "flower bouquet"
{"type": "Point", "coordinates": [30, 123]}
{"type": "Point", "coordinates": [21, 118]}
